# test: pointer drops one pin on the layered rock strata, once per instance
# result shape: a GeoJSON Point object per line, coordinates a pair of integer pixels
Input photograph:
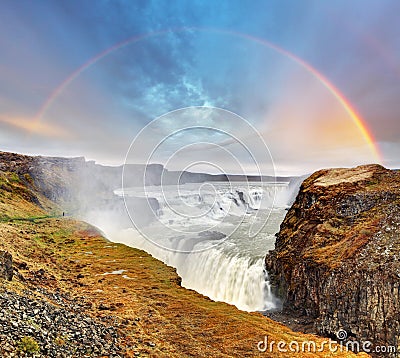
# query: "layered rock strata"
{"type": "Point", "coordinates": [337, 255]}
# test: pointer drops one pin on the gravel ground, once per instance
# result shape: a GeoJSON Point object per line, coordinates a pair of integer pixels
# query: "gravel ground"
{"type": "Point", "coordinates": [61, 329]}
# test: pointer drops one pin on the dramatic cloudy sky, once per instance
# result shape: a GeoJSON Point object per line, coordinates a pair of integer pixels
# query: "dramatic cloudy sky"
{"type": "Point", "coordinates": [85, 77]}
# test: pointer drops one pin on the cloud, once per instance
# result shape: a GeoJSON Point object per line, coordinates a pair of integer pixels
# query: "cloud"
{"type": "Point", "coordinates": [391, 153]}
{"type": "Point", "coordinates": [102, 109]}
{"type": "Point", "coordinates": [36, 127]}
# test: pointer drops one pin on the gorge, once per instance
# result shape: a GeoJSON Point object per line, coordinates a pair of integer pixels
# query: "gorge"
{"type": "Point", "coordinates": [336, 256]}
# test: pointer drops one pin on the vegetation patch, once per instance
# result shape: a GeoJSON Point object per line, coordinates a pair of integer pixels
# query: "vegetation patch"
{"type": "Point", "coordinates": [28, 345]}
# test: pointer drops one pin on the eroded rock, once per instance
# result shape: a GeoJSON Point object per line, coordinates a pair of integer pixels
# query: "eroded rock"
{"type": "Point", "coordinates": [337, 255]}
{"type": "Point", "coordinates": [6, 266]}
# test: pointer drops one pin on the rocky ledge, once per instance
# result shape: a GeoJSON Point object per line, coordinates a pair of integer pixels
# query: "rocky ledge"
{"type": "Point", "coordinates": [337, 255]}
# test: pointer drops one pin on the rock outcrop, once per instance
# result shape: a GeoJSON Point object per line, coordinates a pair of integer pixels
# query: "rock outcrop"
{"type": "Point", "coordinates": [6, 266]}
{"type": "Point", "coordinates": [337, 255]}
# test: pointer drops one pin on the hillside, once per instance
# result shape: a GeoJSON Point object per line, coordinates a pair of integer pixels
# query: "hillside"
{"type": "Point", "coordinates": [75, 294]}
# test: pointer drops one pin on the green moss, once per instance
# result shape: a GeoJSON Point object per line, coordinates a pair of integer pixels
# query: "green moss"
{"type": "Point", "coordinates": [4, 217]}
{"type": "Point", "coordinates": [5, 184]}
{"type": "Point", "coordinates": [28, 345]}
{"type": "Point", "coordinates": [14, 178]}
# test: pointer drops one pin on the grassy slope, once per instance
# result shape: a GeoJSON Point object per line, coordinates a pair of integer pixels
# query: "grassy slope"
{"type": "Point", "coordinates": [148, 301]}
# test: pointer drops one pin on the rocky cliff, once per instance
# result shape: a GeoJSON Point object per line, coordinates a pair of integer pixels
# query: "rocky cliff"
{"type": "Point", "coordinates": [83, 188]}
{"type": "Point", "coordinates": [337, 255]}
{"type": "Point", "coordinates": [65, 180]}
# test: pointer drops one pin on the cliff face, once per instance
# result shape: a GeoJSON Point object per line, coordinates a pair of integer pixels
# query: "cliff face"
{"type": "Point", "coordinates": [337, 255]}
{"type": "Point", "coordinates": [80, 187]}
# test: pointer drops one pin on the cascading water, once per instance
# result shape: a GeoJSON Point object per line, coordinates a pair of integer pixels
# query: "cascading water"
{"type": "Point", "coordinates": [234, 279]}
{"type": "Point", "coordinates": [211, 248]}
{"type": "Point", "coordinates": [286, 198]}
{"type": "Point", "coordinates": [216, 234]}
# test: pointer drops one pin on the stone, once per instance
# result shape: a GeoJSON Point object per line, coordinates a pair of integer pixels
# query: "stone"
{"type": "Point", "coordinates": [6, 266]}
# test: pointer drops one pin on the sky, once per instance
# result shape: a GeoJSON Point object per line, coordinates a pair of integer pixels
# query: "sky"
{"type": "Point", "coordinates": [237, 86]}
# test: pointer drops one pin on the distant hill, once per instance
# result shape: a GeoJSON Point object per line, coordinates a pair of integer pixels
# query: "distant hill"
{"type": "Point", "coordinates": [78, 185]}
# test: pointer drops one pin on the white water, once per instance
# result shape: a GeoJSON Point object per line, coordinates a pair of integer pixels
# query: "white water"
{"type": "Point", "coordinates": [207, 233]}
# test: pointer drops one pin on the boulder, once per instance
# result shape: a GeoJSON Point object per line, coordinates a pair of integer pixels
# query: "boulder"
{"type": "Point", "coordinates": [6, 266]}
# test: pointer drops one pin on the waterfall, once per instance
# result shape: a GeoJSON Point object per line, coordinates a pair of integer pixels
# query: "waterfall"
{"type": "Point", "coordinates": [288, 196]}
{"type": "Point", "coordinates": [217, 272]}
{"type": "Point", "coordinates": [211, 249]}
{"type": "Point", "coordinates": [232, 279]}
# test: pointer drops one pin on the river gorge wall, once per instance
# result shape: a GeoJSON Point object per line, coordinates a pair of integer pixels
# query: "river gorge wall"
{"type": "Point", "coordinates": [337, 254]}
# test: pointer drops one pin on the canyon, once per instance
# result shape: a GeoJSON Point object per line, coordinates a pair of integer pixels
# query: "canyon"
{"type": "Point", "coordinates": [335, 261]}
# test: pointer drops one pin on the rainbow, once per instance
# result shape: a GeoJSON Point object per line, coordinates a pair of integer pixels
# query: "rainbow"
{"type": "Point", "coordinates": [356, 118]}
